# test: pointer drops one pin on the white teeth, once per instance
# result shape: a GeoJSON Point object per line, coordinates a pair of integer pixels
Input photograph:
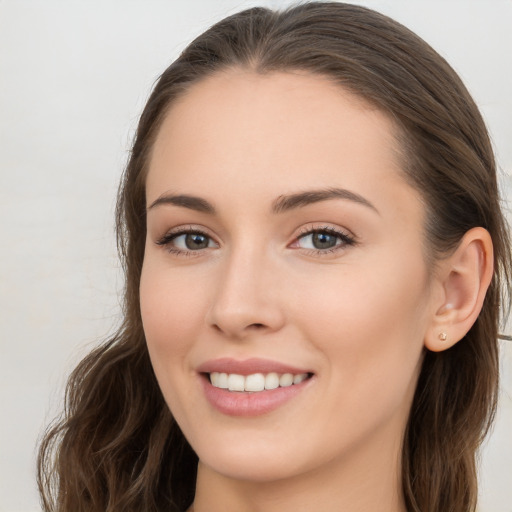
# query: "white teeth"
{"type": "Point", "coordinates": [214, 378]}
{"type": "Point", "coordinates": [286, 380]}
{"type": "Point", "coordinates": [236, 382]}
{"type": "Point", "coordinates": [255, 382]}
{"type": "Point", "coordinates": [297, 379]}
{"type": "Point", "coordinates": [219, 380]}
{"type": "Point", "coordinates": [271, 381]}
{"type": "Point", "coordinates": [223, 380]}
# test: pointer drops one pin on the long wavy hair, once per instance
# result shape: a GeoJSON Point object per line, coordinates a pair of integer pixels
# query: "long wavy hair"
{"type": "Point", "coordinates": [117, 447]}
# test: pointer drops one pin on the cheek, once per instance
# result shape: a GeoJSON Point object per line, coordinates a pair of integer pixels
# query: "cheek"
{"type": "Point", "coordinates": [369, 326]}
{"type": "Point", "coordinates": [367, 303]}
{"type": "Point", "coordinates": [172, 314]}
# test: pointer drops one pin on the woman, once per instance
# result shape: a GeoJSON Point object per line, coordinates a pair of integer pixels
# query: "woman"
{"type": "Point", "coordinates": [315, 260]}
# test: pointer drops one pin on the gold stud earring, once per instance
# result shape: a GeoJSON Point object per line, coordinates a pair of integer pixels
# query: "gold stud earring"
{"type": "Point", "coordinates": [443, 336]}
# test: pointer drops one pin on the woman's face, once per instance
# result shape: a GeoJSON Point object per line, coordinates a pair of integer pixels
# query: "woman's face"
{"type": "Point", "coordinates": [283, 239]}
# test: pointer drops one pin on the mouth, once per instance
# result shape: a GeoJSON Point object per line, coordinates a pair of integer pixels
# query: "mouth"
{"type": "Point", "coordinates": [255, 382]}
{"type": "Point", "coordinates": [252, 387]}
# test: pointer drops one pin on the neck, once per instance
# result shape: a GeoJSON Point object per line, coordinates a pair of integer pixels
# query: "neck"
{"type": "Point", "coordinates": [362, 481]}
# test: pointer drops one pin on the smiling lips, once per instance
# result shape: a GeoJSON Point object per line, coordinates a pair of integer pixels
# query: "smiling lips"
{"type": "Point", "coordinates": [255, 382]}
{"type": "Point", "coordinates": [251, 387]}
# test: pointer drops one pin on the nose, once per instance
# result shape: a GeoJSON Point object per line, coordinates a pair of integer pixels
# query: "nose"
{"type": "Point", "coordinates": [247, 297]}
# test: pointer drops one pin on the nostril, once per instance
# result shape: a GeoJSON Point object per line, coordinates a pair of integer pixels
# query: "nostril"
{"type": "Point", "coordinates": [257, 326]}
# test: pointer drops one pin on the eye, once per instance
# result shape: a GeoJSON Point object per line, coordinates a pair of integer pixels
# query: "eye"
{"type": "Point", "coordinates": [324, 240]}
{"type": "Point", "coordinates": [186, 241]}
{"type": "Point", "coordinates": [319, 240]}
{"type": "Point", "coordinates": [191, 241]}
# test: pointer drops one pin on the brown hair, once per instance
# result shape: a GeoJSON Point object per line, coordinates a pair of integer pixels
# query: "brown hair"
{"type": "Point", "coordinates": [118, 447]}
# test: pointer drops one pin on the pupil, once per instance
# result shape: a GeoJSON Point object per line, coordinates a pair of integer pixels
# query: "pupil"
{"type": "Point", "coordinates": [196, 241]}
{"type": "Point", "coordinates": [323, 240]}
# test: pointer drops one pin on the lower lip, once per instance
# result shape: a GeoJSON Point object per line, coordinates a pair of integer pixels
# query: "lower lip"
{"type": "Point", "coordinates": [235, 403]}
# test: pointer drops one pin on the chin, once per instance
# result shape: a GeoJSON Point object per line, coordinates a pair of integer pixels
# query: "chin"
{"type": "Point", "coordinates": [261, 460]}
{"type": "Point", "coordinates": [255, 469]}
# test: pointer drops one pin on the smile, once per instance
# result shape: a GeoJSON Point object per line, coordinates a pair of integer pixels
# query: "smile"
{"type": "Point", "coordinates": [255, 382]}
{"type": "Point", "coordinates": [252, 387]}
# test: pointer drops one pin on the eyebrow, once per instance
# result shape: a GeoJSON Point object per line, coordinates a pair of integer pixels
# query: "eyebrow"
{"type": "Point", "coordinates": [300, 199]}
{"type": "Point", "coordinates": [282, 204]}
{"type": "Point", "coordinates": [185, 201]}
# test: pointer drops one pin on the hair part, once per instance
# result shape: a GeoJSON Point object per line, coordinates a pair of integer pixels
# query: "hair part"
{"type": "Point", "coordinates": [118, 447]}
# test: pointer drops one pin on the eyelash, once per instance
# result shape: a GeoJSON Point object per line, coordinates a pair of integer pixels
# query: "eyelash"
{"type": "Point", "coordinates": [168, 238]}
{"type": "Point", "coordinates": [346, 239]}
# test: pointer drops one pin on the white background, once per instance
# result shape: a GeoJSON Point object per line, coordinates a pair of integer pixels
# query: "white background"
{"type": "Point", "coordinates": [74, 76]}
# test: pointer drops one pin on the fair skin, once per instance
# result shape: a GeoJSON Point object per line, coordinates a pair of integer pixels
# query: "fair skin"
{"type": "Point", "coordinates": [335, 286]}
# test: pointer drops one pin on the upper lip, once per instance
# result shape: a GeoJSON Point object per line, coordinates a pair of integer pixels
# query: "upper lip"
{"type": "Point", "coordinates": [248, 366]}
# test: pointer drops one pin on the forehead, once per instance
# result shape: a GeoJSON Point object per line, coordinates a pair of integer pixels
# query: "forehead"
{"type": "Point", "coordinates": [275, 133]}
{"type": "Point", "coordinates": [297, 106]}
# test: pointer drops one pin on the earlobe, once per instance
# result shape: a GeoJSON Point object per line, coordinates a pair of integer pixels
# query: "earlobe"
{"type": "Point", "coordinates": [463, 279]}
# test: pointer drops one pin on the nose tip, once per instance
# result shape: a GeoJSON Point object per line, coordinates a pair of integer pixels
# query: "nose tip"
{"type": "Point", "coordinates": [243, 304]}
{"type": "Point", "coordinates": [238, 328]}
{"type": "Point", "coordinates": [244, 320]}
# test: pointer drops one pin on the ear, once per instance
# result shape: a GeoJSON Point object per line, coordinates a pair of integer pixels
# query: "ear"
{"type": "Point", "coordinates": [461, 283]}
